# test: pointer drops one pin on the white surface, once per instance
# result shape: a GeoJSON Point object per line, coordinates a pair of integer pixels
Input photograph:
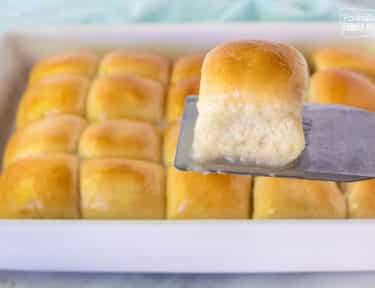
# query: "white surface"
{"type": "Point", "coordinates": [165, 246]}
{"type": "Point", "coordinates": [222, 246]}
{"type": "Point", "coordinates": [84, 280]}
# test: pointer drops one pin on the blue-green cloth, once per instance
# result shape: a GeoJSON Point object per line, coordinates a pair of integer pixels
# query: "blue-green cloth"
{"type": "Point", "coordinates": [64, 12]}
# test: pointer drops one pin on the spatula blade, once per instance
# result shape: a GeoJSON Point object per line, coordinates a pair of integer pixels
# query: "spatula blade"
{"type": "Point", "coordinates": [340, 146]}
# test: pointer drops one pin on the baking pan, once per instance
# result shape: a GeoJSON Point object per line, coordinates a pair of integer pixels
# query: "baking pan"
{"type": "Point", "coordinates": [171, 246]}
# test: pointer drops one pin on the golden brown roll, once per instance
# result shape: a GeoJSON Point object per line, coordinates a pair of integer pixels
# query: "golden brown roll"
{"type": "Point", "coordinates": [186, 67]}
{"type": "Point", "coordinates": [52, 135]}
{"type": "Point", "coordinates": [122, 189]}
{"type": "Point", "coordinates": [197, 196]}
{"type": "Point", "coordinates": [347, 58]}
{"type": "Point", "coordinates": [43, 187]}
{"type": "Point", "coordinates": [344, 87]}
{"type": "Point", "coordinates": [170, 141]}
{"type": "Point", "coordinates": [361, 199]}
{"type": "Point", "coordinates": [146, 65]}
{"type": "Point", "coordinates": [124, 96]}
{"type": "Point", "coordinates": [51, 96]}
{"type": "Point", "coordinates": [281, 198]}
{"type": "Point", "coordinates": [177, 94]}
{"type": "Point", "coordinates": [250, 103]}
{"type": "Point", "coordinates": [121, 138]}
{"type": "Point", "coordinates": [77, 63]}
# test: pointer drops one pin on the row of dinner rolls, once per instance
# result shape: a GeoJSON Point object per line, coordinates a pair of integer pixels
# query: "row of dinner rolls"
{"type": "Point", "coordinates": [125, 85]}
{"type": "Point", "coordinates": [87, 65]}
{"type": "Point", "coordinates": [117, 175]}
{"type": "Point", "coordinates": [69, 134]}
{"type": "Point", "coordinates": [60, 187]}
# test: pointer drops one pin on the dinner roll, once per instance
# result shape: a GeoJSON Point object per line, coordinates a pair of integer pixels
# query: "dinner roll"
{"type": "Point", "coordinates": [361, 199]}
{"type": "Point", "coordinates": [250, 103]}
{"type": "Point", "coordinates": [177, 94]}
{"type": "Point", "coordinates": [146, 65]}
{"type": "Point", "coordinates": [282, 198]}
{"type": "Point", "coordinates": [347, 58]}
{"type": "Point", "coordinates": [193, 195]}
{"type": "Point", "coordinates": [44, 187]}
{"type": "Point", "coordinates": [344, 87]}
{"type": "Point", "coordinates": [121, 138]}
{"type": "Point", "coordinates": [186, 67]}
{"type": "Point", "coordinates": [52, 135]}
{"type": "Point", "coordinates": [170, 141]}
{"type": "Point", "coordinates": [124, 96]}
{"type": "Point", "coordinates": [122, 189]}
{"type": "Point", "coordinates": [52, 96]}
{"type": "Point", "coordinates": [75, 63]}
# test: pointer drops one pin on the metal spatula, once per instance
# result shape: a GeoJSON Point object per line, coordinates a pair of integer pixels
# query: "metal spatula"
{"type": "Point", "coordinates": [340, 146]}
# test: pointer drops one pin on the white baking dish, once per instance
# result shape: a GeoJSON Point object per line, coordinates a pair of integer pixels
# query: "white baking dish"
{"type": "Point", "coordinates": [171, 246]}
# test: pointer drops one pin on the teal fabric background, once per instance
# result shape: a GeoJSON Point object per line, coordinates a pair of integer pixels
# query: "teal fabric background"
{"type": "Point", "coordinates": [58, 12]}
